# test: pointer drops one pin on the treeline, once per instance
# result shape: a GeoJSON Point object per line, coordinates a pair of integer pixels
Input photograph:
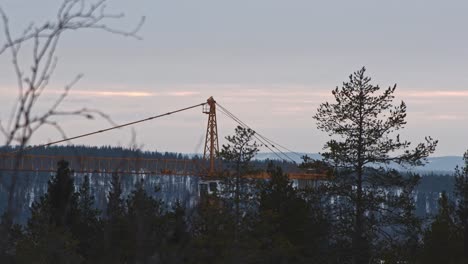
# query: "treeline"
{"type": "Point", "coordinates": [278, 224]}
{"type": "Point", "coordinates": [93, 151]}
{"type": "Point", "coordinates": [271, 222]}
{"type": "Point", "coordinates": [31, 185]}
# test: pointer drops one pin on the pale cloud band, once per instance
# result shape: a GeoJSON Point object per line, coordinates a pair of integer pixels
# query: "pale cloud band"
{"type": "Point", "coordinates": [239, 91]}
{"type": "Point", "coordinates": [436, 94]}
{"type": "Point", "coordinates": [109, 93]}
{"type": "Point", "coordinates": [133, 93]}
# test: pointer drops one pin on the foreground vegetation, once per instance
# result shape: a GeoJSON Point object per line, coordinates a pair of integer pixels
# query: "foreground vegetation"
{"type": "Point", "coordinates": [278, 224]}
{"type": "Point", "coordinates": [364, 213]}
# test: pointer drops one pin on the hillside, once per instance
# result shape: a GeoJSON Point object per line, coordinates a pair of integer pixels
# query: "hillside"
{"type": "Point", "coordinates": [435, 164]}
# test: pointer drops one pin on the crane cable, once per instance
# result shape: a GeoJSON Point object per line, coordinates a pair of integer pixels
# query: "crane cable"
{"type": "Point", "coordinates": [273, 143]}
{"type": "Point", "coordinates": [107, 129]}
{"type": "Point", "coordinates": [269, 142]}
{"type": "Point", "coordinates": [266, 145]}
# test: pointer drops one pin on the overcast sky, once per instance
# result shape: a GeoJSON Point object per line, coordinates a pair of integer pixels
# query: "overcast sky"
{"type": "Point", "coordinates": [270, 62]}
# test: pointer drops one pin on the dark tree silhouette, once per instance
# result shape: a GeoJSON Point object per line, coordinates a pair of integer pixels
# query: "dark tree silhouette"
{"type": "Point", "coordinates": [49, 235]}
{"type": "Point", "coordinates": [461, 192]}
{"type": "Point", "coordinates": [61, 197]}
{"type": "Point", "coordinates": [177, 247]}
{"type": "Point", "coordinates": [289, 229]}
{"type": "Point", "coordinates": [442, 241]}
{"type": "Point", "coordinates": [116, 232]}
{"type": "Point", "coordinates": [145, 225]}
{"type": "Point", "coordinates": [362, 123]}
{"type": "Point", "coordinates": [239, 152]}
{"type": "Point", "coordinates": [88, 229]}
{"type": "Point", "coordinates": [115, 205]}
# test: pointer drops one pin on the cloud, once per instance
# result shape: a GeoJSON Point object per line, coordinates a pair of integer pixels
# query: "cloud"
{"type": "Point", "coordinates": [434, 94]}
{"type": "Point", "coordinates": [182, 93]}
{"type": "Point", "coordinates": [448, 117]}
{"type": "Point", "coordinates": [110, 93]}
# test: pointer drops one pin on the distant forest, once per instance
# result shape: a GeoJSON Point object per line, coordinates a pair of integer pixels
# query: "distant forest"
{"type": "Point", "coordinates": [33, 185]}
{"type": "Point", "coordinates": [165, 219]}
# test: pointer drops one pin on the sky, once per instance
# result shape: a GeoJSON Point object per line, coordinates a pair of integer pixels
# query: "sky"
{"type": "Point", "coordinates": [270, 62]}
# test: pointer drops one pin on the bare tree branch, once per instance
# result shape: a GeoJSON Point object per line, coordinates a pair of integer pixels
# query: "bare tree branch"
{"type": "Point", "coordinates": [33, 80]}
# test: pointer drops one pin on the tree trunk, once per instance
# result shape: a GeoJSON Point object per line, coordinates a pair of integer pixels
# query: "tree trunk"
{"type": "Point", "coordinates": [237, 201]}
{"type": "Point", "coordinates": [361, 254]}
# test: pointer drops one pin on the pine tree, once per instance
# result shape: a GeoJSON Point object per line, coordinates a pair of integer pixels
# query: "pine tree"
{"type": "Point", "coordinates": [238, 153]}
{"type": "Point", "coordinates": [179, 232]}
{"type": "Point", "coordinates": [362, 123]}
{"type": "Point", "coordinates": [49, 234]}
{"type": "Point", "coordinates": [288, 229]}
{"type": "Point", "coordinates": [61, 196]}
{"type": "Point", "coordinates": [116, 228]}
{"type": "Point", "coordinates": [212, 232]}
{"type": "Point", "coordinates": [461, 192]}
{"type": "Point", "coordinates": [177, 246]}
{"type": "Point", "coordinates": [115, 206]}
{"type": "Point", "coordinates": [88, 228]}
{"type": "Point", "coordinates": [146, 226]}
{"type": "Point", "coordinates": [442, 241]}
{"type": "Point", "coordinates": [10, 234]}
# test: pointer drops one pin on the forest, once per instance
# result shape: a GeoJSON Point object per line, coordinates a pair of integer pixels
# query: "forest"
{"type": "Point", "coordinates": [364, 212]}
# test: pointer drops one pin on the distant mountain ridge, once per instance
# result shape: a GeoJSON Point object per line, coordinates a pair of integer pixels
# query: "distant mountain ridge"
{"type": "Point", "coordinates": [445, 164]}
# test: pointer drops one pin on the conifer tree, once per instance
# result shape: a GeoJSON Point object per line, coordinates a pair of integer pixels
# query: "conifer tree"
{"type": "Point", "coordinates": [146, 226]}
{"type": "Point", "coordinates": [49, 236]}
{"type": "Point", "coordinates": [115, 205]}
{"type": "Point", "coordinates": [289, 228]}
{"type": "Point", "coordinates": [442, 240]}
{"type": "Point", "coordinates": [461, 192]}
{"type": "Point", "coordinates": [88, 227]}
{"type": "Point", "coordinates": [212, 231]}
{"type": "Point", "coordinates": [10, 234]}
{"type": "Point", "coordinates": [238, 153]}
{"type": "Point", "coordinates": [363, 122]}
{"type": "Point", "coordinates": [61, 196]}
{"type": "Point", "coordinates": [177, 246]}
{"type": "Point", "coordinates": [116, 229]}
{"type": "Point", "coordinates": [283, 220]}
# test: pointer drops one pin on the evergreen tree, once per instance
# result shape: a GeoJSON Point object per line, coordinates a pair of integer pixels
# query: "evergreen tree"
{"type": "Point", "coordinates": [179, 234]}
{"type": "Point", "coordinates": [442, 241]}
{"type": "Point", "coordinates": [48, 237]}
{"type": "Point", "coordinates": [61, 197]}
{"type": "Point", "coordinates": [289, 228]}
{"type": "Point", "coordinates": [116, 228]}
{"type": "Point", "coordinates": [239, 152]}
{"type": "Point", "coordinates": [146, 226]}
{"type": "Point", "coordinates": [115, 205]}
{"type": "Point", "coordinates": [88, 228]}
{"type": "Point", "coordinates": [461, 192]}
{"type": "Point", "coordinates": [212, 231]}
{"type": "Point", "coordinates": [362, 123]}
{"type": "Point", "coordinates": [177, 247]}
{"type": "Point", "coordinates": [10, 234]}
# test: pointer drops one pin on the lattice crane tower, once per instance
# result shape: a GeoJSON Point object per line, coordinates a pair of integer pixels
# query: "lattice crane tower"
{"type": "Point", "coordinates": [211, 141]}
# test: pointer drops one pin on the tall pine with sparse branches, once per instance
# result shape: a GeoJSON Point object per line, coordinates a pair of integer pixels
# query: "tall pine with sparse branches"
{"type": "Point", "coordinates": [239, 151]}
{"type": "Point", "coordinates": [363, 123]}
